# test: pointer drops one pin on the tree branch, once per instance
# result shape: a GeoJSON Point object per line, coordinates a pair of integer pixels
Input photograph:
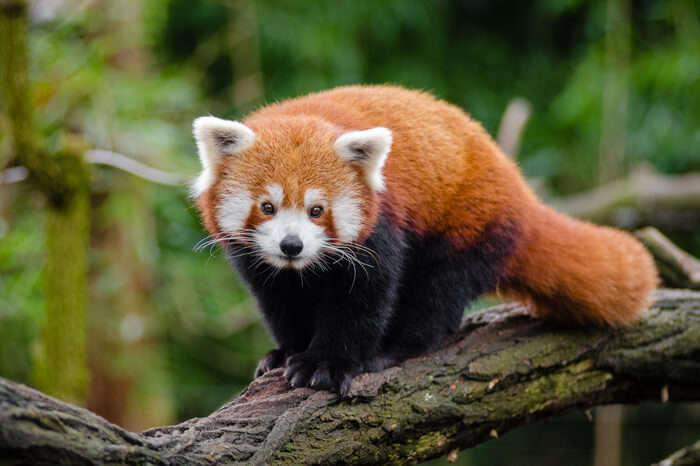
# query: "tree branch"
{"type": "Point", "coordinates": [677, 268]}
{"type": "Point", "coordinates": [688, 456]}
{"type": "Point", "coordinates": [512, 124]}
{"type": "Point", "coordinates": [643, 197]}
{"type": "Point", "coordinates": [114, 159]}
{"type": "Point", "coordinates": [505, 369]}
{"type": "Point", "coordinates": [13, 175]}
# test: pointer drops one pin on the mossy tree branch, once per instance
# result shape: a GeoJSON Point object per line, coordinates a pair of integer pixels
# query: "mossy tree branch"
{"type": "Point", "coordinates": [505, 369]}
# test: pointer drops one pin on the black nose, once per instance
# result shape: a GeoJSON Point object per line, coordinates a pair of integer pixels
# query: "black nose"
{"type": "Point", "coordinates": [291, 245]}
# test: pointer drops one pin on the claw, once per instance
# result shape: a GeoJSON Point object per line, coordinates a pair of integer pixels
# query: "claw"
{"type": "Point", "coordinates": [272, 360]}
{"type": "Point", "coordinates": [310, 370]}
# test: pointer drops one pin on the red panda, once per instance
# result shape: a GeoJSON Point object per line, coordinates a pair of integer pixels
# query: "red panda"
{"type": "Point", "coordinates": [365, 218]}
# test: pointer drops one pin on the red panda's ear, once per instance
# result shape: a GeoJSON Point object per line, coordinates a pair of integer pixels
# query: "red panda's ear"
{"type": "Point", "coordinates": [217, 138]}
{"type": "Point", "coordinates": [369, 148]}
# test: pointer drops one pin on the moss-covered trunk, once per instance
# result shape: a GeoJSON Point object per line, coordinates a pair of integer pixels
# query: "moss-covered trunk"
{"type": "Point", "coordinates": [60, 366]}
{"type": "Point", "coordinates": [61, 363]}
{"type": "Point", "coordinates": [14, 78]}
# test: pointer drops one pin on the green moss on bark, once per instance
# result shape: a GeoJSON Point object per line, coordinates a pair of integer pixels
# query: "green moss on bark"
{"type": "Point", "coordinates": [61, 365]}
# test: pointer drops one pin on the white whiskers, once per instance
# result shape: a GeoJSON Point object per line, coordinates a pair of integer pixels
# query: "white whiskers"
{"type": "Point", "coordinates": [243, 237]}
{"type": "Point", "coordinates": [345, 252]}
{"type": "Point", "coordinates": [244, 244]}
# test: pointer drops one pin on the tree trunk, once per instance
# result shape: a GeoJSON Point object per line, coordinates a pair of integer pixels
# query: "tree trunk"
{"type": "Point", "coordinates": [613, 131]}
{"type": "Point", "coordinates": [14, 80]}
{"type": "Point", "coordinates": [61, 365]}
{"type": "Point", "coordinates": [504, 369]}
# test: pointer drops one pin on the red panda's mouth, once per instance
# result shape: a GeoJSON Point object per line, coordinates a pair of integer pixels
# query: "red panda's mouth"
{"type": "Point", "coordinates": [288, 260]}
{"type": "Point", "coordinates": [288, 263]}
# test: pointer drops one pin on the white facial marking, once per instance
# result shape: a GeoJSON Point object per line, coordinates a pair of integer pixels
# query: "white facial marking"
{"type": "Point", "coordinates": [233, 210]}
{"type": "Point", "coordinates": [313, 197]}
{"type": "Point", "coordinates": [276, 194]}
{"type": "Point", "coordinates": [370, 148]}
{"type": "Point", "coordinates": [202, 182]}
{"type": "Point", "coordinates": [347, 215]}
{"type": "Point", "coordinates": [215, 139]}
{"type": "Point", "coordinates": [290, 222]}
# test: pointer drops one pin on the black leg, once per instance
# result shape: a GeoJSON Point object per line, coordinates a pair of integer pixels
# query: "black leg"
{"type": "Point", "coordinates": [430, 307]}
{"type": "Point", "coordinates": [353, 309]}
{"type": "Point", "coordinates": [286, 308]}
{"type": "Point", "coordinates": [439, 281]}
{"type": "Point", "coordinates": [348, 335]}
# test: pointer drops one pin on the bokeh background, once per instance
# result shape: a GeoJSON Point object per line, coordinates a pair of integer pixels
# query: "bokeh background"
{"type": "Point", "coordinates": [609, 86]}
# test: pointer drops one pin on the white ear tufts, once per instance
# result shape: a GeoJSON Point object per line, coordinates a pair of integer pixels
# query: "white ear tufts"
{"type": "Point", "coordinates": [215, 139]}
{"type": "Point", "coordinates": [370, 148]}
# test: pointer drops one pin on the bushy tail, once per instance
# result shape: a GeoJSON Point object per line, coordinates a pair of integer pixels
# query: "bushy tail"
{"type": "Point", "coordinates": [580, 273]}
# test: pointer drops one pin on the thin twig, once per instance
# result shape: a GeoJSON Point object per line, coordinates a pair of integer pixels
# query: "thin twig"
{"type": "Point", "coordinates": [512, 125]}
{"type": "Point", "coordinates": [114, 159]}
{"type": "Point", "coordinates": [13, 175]}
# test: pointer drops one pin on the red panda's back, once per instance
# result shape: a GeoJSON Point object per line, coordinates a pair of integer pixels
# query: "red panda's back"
{"type": "Point", "coordinates": [444, 172]}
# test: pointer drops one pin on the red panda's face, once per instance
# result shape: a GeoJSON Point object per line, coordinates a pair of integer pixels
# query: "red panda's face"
{"type": "Point", "coordinates": [295, 193]}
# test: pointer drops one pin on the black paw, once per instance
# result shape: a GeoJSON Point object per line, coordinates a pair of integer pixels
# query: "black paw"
{"type": "Point", "coordinates": [272, 360]}
{"type": "Point", "coordinates": [321, 373]}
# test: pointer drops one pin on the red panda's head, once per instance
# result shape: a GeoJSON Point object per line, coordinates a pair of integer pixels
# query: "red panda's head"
{"type": "Point", "coordinates": [293, 189]}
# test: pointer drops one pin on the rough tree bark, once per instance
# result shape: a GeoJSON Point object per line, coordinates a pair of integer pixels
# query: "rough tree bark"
{"type": "Point", "coordinates": [505, 369]}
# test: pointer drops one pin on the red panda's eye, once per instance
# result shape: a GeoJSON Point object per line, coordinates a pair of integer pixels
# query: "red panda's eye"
{"type": "Point", "coordinates": [316, 211]}
{"type": "Point", "coordinates": [268, 208]}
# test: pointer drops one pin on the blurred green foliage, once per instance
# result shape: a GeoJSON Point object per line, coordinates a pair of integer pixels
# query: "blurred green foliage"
{"type": "Point", "coordinates": [478, 55]}
{"type": "Point", "coordinates": [131, 77]}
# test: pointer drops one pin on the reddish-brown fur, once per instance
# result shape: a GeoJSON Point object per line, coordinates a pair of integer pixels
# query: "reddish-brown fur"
{"type": "Point", "coordinates": [445, 176]}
